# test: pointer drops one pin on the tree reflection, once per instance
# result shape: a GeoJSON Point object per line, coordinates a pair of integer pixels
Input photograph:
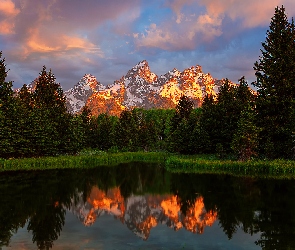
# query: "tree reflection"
{"type": "Point", "coordinates": [40, 199]}
{"type": "Point", "coordinates": [46, 225]}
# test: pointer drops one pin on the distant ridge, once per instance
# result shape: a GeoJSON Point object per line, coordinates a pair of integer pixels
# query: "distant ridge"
{"type": "Point", "coordinates": [141, 88]}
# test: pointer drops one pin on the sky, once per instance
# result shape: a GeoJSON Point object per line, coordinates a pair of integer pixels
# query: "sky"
{"type": "Point", "coordinates": [106, 38]}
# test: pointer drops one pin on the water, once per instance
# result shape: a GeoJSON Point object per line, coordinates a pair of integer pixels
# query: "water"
{"type": "Point", "coordinates": [140, 206]}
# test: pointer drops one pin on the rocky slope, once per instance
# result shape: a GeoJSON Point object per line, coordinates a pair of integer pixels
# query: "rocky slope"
{"type": "Point", "coordinates": [141, 88]}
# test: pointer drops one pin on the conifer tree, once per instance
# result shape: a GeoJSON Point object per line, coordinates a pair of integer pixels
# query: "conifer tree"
{"type": "Point", "coordinates": [8, 114]}
{"type": "Point", "coordinates": [275, 72]}
{"type": "Point", "coordinates": [245, 140]}
{"type": "Point", "coordinates": [179, 137]}
{"type": "Point", "coordinates": [220, 117]}
{"type": "Point", "coordinates": [51, 131]}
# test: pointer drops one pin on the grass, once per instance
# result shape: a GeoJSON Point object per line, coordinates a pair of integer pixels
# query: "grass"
{"type": "Point", "coordinates": [85, 160]}
{"type": "Point", "coordinates": [211, 165]}
{"type": "Point", "coordinates": [202, 164]}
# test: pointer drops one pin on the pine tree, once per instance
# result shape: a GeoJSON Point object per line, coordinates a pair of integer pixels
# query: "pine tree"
{"type": "Point", "coordinates": [245, 140]}
{"type": "Point", "coordinates": [51, 134]}
{"type": "Point", "coordinates": [219, 118]}
{"type": "Point", "coordinates": [8, 114]}
{"type": "Point", "coordinates": [184, 107]}
{"type": "Point", "coordinates": [275, 72]}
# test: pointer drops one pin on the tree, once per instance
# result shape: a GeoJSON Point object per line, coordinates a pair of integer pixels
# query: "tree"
{"type": "Point", "coordinates": [184, 107]}
{"type": "Point", "coordinates": [180, 134]}
{"type": "Point", "coordinates": [8, 115]}
{"type": "Point", "coordinates": [220, 116]}
{"type": "Point", "coordinates": [51, 134]}
{"type": "Point", "coordinates": [245, 140]}
{"type": "Point", "coordinates": [127, 131]}
{"type": "Point", "coordinates": [106, 131]}
{"type": "Point", "coordinates": [275, 72]}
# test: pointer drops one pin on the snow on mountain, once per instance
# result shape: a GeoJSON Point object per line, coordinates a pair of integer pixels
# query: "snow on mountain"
{"type": "Point", "coordinates": [78, 95]}
{"type": "Point", "coordinates": [141, 88]}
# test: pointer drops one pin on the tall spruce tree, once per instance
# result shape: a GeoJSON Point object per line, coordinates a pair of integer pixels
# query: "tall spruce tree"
{"type": "Point", "coordinates": [181, 129]}
{"type": "Point", "coordinates": [8, 115]}
{"type": "Point", "coordinates": [51, 131]}
{"type": "Point", "coordinates": [275, 72]}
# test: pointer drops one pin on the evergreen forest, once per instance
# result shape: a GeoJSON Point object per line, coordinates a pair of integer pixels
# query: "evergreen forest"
{"type": "Point", "coordinates": [238, 122]}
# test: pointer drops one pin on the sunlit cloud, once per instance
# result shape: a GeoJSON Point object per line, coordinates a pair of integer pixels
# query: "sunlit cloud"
{"type": "Point", "coordinates": [7, 13]}
{"type": "Point", "coordinates": [185, 35]}
{"type": "Point", "coordinates": [205, 22]}
{"type": "Point", "coordinates": [107, 38]}
{"type": "Point", "coordinates": [7, 7]}
{"type": "Point", "coordinates": [6, 28]}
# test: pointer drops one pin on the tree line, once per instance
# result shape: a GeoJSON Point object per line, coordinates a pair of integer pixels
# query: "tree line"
{"type": "Point", "coordinates": [237, 122]}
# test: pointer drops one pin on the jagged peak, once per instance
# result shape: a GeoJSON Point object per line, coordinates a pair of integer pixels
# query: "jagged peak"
{"type": "Point", "coordinates": [87, 79]}
{"type": "Point", "coordinates": [141, 65]}
{"type": "Point", "coordinates": [174, 72]}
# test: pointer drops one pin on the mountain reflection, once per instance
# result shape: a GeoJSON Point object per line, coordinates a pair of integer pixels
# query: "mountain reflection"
{"type": "Point", "coordinates": [140, 213]}
{"type": "Point", "coordinates": [144, 196]}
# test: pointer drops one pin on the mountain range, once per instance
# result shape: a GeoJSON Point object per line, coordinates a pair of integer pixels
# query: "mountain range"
{"type": "Point", "coordinates": [141, 88]}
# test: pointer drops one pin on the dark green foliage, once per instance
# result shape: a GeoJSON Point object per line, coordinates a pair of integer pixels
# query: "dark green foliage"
{"type": "Point", "coordinates": [48, 94]}
{"type": "Point", "coordinates": [106, 131]}
{"type": "Point", "coordinates": [127, 131]}
{"type": "Point", "coordinates": [88, 128]}
{"type": "Point", "coordinates": [51, 133]}
{"type": "Point", "coordinates": [246, 139]}
{"type": "Point", "coordinates": [43, 125]}
{"type": "Point", "coordinates": [183, 123]}
{"type": "Point", "coordinates": [184, 107]}
{"type": "Point", "coordinates": [219, 119]}
{"type": "Point", "coordinates": [6, 92]}
{"type": "Point", "coordinates": [141, 129]}
{"type": "Point", "coordinates": [9, 137]}
{"type": "Point", "coordinates": [275, 72]}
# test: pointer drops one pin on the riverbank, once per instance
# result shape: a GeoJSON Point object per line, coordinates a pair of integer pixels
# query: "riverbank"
{"type": "Point", "coordinates": [87, 160]}
{"type": "Point", "coordinates": [204, 164]}
{"type": "Point", "coordinates": [200, 164]}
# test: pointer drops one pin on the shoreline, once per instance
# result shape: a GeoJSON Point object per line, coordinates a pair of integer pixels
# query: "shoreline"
{"type": "Point", "coordinates": [195, 164]}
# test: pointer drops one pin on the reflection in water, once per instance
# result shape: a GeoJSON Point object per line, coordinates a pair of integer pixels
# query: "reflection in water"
{"type": "Point", "coordinates": [144, 196]}
{"type": "Point", "coordinates": [140, 213]}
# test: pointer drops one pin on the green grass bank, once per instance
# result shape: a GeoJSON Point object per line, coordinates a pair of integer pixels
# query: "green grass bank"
{"type": "Point", "coordinates": [200, 164]}
{"type": "Point", "coordinates": [80, 161]}
{"type": "Point", "coordinates": [203, 164]}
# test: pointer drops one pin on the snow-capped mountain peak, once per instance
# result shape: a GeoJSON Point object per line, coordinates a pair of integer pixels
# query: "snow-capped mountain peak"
{"type": "Point", "coordinates": [79, 94]}
{"type": "Point", "coordinates": [141, 88]}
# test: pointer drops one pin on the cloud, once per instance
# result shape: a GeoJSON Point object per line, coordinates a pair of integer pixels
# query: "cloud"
{"type": "Point", "coordinates": [185, 35]}
{"type": "Point", "coordinates": [177, 6]}
{"type": "Point", "coordinates": [7, 7]}
{"type": "Point", "coordinates": [252, 13]}
{"type": "Point", "coordinates": [7, 13]}
{"type": "Point", "coordinates": [6, 27]}
{"type": "Point", "coordinates": [65, 33]}
{"type": "Point", "coordinates": [197, 23]}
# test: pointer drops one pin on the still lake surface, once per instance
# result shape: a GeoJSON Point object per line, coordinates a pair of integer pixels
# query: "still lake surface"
{"type": "Point", "coordinates": [141, 206]}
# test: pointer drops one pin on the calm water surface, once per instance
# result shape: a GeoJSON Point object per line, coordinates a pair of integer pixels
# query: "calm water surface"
{"type": "Point", "coordinates": [140, 206]}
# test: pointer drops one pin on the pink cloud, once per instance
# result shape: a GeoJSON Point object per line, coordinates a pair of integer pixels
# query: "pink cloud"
{"type": "Point", "coordinates": [187, 31]}
{"type": "Point", "coordinates": [6, 27]}
{"type": "Point", "coordinates": [8, 8]}
{"type": "Point", "coordinates": [59, 27]}
{"type": "Point", "coordinates": [183, 35]}
{"type": "Point", "coordinates": [253, 13]}
{"type": "Point", "coordinates": [177, 6]}
{"type": "Point", "coordinates": [8, 11]}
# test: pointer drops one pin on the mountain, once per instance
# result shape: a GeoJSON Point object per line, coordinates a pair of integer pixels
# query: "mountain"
{"type": "Point", "coordinates": [140, 213]}
{"type": "Point", "coordinates": [79, 94]}
{"type": "Point", "coordinates": [141, 88]}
